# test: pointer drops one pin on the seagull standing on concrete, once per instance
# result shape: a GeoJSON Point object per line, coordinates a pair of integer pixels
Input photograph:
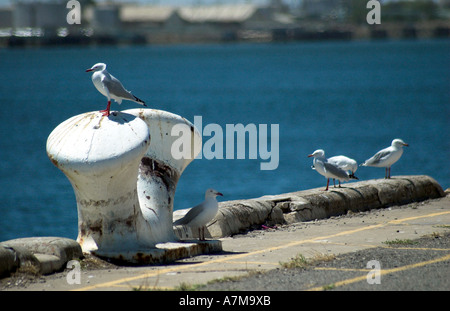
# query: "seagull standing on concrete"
{"type": "Point", "coordinates": [346, 164]}
{"type": "Point", "coordinates": [387, 156]}
{"type": "Point", "coordinates": [327, 169]}
{"type": "Point", "coordinates": [200, 215]}
{"type": "Point", "coordinates": [109, 86]}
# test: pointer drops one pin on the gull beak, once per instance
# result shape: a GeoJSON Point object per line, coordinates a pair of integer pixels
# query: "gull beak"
{"type": "Point", "coordinates": [88, 70]}
{"type": "Point", "coordinates": [310, 155]}
{"type": "Point", "coordinates": [406, 145]}
{"type": "Point", "coordinates": [218, 193]}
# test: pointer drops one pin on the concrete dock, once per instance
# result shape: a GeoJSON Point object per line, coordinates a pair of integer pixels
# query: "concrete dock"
{"type": "Point", "coordinates": [255, 235]}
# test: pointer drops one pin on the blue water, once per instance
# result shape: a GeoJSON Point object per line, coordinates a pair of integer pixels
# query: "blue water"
{"type": "Point", "coordinates": [348, 98]}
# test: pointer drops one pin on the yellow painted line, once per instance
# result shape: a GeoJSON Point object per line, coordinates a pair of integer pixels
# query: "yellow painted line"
{"type": "Point", "coordinates": [383, 272]}
{"type": "Point", "coordinates": [341, 269]}
{"type": "Point", "coordinates": [416, 217]}
{"type": "Point", "coordinates": [153, 273]}
{"type": "Point", "coordinates": [238, 256]}
{"type": "Point", "coordinates": [219, 260]}
{"type": "Point", "coordinates": [418, 248]}
{"type": "Point", "coordinates": [253, 263]}
{"type": "Point", "coordinates": [346, 244]}
{"type": "Point", "coordinates": [155, 288]}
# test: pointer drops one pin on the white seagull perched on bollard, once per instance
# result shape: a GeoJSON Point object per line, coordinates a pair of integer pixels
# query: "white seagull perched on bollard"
{"type": "Point", "coordinates": [327, 169]}
{"type": "Point", "coordinates": [200, 215]}
{"type": "Point", "coordinates": [387, 156]}
{"type": "Point", "coordinates": [109, 86]}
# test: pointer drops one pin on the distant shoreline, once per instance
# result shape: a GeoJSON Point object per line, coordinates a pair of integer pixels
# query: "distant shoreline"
{"type": "Point", "coordinates": [300, 33]}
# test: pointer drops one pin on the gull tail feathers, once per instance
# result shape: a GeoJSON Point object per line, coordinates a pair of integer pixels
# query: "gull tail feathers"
{"type": "Point", "coordinates": [353, 176]}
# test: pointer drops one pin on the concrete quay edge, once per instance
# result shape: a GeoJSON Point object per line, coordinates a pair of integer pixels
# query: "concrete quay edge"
{"type": "Point", "coordinates": [241, 215]}
{"type": "Point", "coordinates": [43, 255]}
{"type": "Point", "coordinates": [50, 254]}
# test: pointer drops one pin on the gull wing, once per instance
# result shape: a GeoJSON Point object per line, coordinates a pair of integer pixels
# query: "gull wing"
{"type": "Point", "coordinates": [116, 88]}
{"type": "Point", "coordinates": [193, 213]}
{"type": "Point", "coordinates": [378, 157]}
{"type": "Point", "coordinates": [334, 170]}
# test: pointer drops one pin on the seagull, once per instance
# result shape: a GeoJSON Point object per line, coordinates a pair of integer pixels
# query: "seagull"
{"type": "Point", "coordinates": [346, 164]}
{"type": "Point", "coordinates": [327, 169]}
{"type": "Point", "coordinates": [200, 215]}
{"type": "Point", "coordinates": [109, 86]}
{"type": "Point", "coordinates": [387, 156]}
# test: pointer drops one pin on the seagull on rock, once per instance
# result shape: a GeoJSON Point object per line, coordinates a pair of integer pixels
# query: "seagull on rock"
{"type": "Point", "coordinates": [328, 169]}
{"type": "Point", "coordinates": [109, 86]}
{"type": "Point", "coordinates": [387, 156]}
{"type": "Point", "coordinates": [200, 215]}
{"type": "Point", "coordinates": [346, 164]}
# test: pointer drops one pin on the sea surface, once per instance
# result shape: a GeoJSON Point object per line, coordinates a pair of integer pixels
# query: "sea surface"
{"type": "Point", "coordinates": [350, 98]}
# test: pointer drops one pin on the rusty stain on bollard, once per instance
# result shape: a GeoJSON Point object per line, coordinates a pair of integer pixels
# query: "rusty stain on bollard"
{"type": "Point", "coordinates": [159, 171]}
{"type": "Point", "coordinates": [124, 178]}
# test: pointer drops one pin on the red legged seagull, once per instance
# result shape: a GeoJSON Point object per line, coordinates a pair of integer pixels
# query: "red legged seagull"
{"type": "Point", "coordinates": [109, 86]}
{"type": "Point", "coordinates": [328, 169]}
{"type": "Point", "coordinates": [387, 156]}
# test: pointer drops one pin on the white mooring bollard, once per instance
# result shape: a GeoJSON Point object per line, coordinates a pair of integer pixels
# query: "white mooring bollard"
{"type": "Point", "coordinates": [124, 178]}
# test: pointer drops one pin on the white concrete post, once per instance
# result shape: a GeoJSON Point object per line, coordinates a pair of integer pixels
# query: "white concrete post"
{"type": "Point", "coordinates": [124, 178]}
{"type": "Point", "coordinates": [100, 157]}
